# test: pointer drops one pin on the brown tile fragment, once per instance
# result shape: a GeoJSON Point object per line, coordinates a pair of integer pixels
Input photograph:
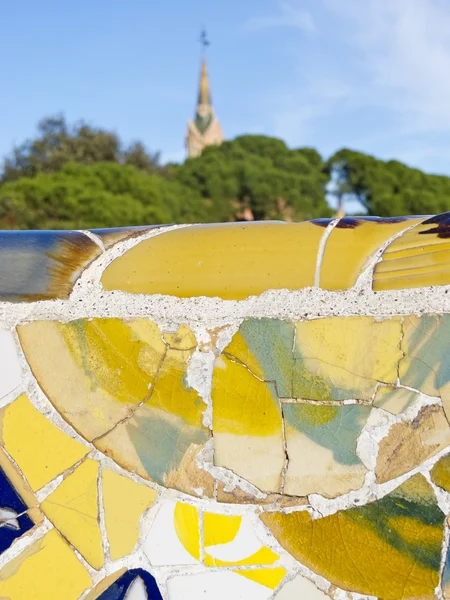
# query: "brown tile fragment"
{"type": "Point", "coordinates": [409, 443]}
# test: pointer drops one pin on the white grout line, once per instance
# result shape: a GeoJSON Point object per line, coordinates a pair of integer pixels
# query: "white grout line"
{"type": "Point", "coordinates": [95, 238]}
{"type": "Point", "coordinates": [321, 250]}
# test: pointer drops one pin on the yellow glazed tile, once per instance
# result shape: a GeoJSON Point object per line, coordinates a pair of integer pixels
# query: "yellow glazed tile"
{"type": "Point", "coordinates": [440, 473]}
{"type": "Point", "coordinates": [375, 549]}
{"type": "Point", "coordinates": [124, 503]}
{"type": "Point", "coordinates": [418, 258]}
{"type": "Point", "coordinates": [328, 436]}
{"type": "Point", "coordinates": [187, 527]}
{"type": "Point", "coordinates": [247, 425]}
{"type": "Point", "coordinates": [174, 536]}
{"type": "Point", "coordinates": [154, 444]}
{"type": "Point", "coordinates": [232, 541]}
{"type": "Point", "coordinates": [220, 529]}
{"type": "Point", "coordinates": [41, 450]}
{"type": "Point", "coordinates": [171, 392]}
{"type": "Point", "coordinates": [73, 509]}
{"type": "Point", "coordinates": [394, 400]}
{"type": "Point", "coordinates": [22, 487]}
{"type": "Point", "coordinates": [351, 244]}
{"type": "Point", "coordinates": [104, 584]}
{"type": "Point", "coordinates": [270, 578]}
{"type": "Point", "coordinates": [231, 261]}
{"type": "Point", "coordinates": [342, 358]}
{"type": "Point", "coordinates": [97, 367]}
{"type": "Point", "coordinates": [160, 440]}
{"type": "Point", "coordinates": [264, 346]}
{"type": "Point", "coordinates": [47, 570]}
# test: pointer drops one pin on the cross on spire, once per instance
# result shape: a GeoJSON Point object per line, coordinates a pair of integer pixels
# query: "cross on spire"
{"type": "Point", "coordinates": [204, 41]}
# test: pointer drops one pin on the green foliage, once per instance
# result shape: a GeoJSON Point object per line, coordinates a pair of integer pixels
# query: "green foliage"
{"type": "Point", "coordinates": [80, 177]}
{"type": "Point", "coordinates": [260, 176]}
{"type": "Point", "coordinates": [390, 188]}
{"type": "Point", "coordinates": [100, 195]}
{"type": "Point", "coordinates": [58, 144]}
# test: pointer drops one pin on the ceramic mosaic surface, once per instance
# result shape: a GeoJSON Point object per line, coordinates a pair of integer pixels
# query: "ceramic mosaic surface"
{"type": "Point", "coordinates": [247, 411]}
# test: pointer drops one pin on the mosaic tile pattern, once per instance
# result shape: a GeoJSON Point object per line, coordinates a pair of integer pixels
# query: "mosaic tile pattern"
{"type": "Point", "coordinates": [249, 411]}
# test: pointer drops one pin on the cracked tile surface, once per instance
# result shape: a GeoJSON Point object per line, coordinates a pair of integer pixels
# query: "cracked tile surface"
{"type": "Point", "coordinates": [226, 411]}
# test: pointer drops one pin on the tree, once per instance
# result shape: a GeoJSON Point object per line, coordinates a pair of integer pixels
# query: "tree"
{"type": "Point", "coordinates": [98, 195]}
{"type": "Point", "coordinates": [137, 156]}
{"type": "Point", "coordinates": [390, 188]}
{"type": "Point", "coordinates": [258, 177]}
{"type": "Point", "coordinates": [57, 143]}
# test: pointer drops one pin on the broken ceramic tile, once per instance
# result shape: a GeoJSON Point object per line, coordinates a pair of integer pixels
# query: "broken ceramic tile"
{"type": "Point", "coordinates": [389, 548]}
{"type": "Point", "coordinates": [417, 258]}
{"type": "Point", "coordinates": [154, 442]}
{"type": "Point", "coordinates": [269, 577]}
{"type": "Point", "coordinates": [10, 369]}
{"type": "Point", "coordinates": [15, 517]}
{"type": "Point", "coordinates": [174, 537]}
{"type": "Point", "coordinates": [47, 569]}
{"type": "Point", "coordinates": [265, 347]}
{"type": "Point", "coordinates": [124, 503]}
{"type": "Point", "coordinates": [41, 450]}
{"type": "Point", "coordinates": [247, 422]}
{"type": "Point", "coordinates": [231, 540]}
{"type": "Point", "coordinates": [394, 399]}
{"type": "Point", "coordinates": [105, 367]}
{"type": "Point", "coordinates": [135, 584]}
{"type": "Point", "coordinates": [445, 585]}
{"type": "Point", "coordinates": [130, 379]}
{"type": "Point", "coordinates": [73, 509]}
{"type": "Point", "coordinates": [216, 260]}
{"type": "Point", "coordinates": [425, 365]}
{"type": "Point", "coordinates": [301, 587]}
{"type": "Point", "coordinates": [109, 237]}
{"type": "Point", "coordinates": [440, 473]}
{"type": "Point", "coordinates": [190, 477]}
{"type": "Point", "coordinates": [409, 443]}
{"type": "Point", "coordinates": [343, 358]}
{"type": "Point", "coordinates": [42, 265]}
{"type": "Point", "coordinates": [104, 585]}
{"type": "Point", "coordinates": [223, 585]}
{"type": "Point", "coordinates": [327, 436]}
{"type": "Point", "coordinates": [350, 246]}
{"type": "Point", "coordinates": [235, 495]}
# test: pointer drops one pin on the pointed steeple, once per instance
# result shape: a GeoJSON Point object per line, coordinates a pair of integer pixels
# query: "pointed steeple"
{"type": "Point", "coordinates": [205, 129]}
{"type": "Point", "coordinates": [204, 95]}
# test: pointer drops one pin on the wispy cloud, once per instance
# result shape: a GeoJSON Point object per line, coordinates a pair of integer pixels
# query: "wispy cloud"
{"type": "Point", "coordinates": [288, 14]}
{"type": "Point", "coordinates": [404, 49]}
{"type": "Point", "coordinates": [376, 76]}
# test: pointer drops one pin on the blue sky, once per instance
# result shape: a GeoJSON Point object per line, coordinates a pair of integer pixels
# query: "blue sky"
{"type": "Point", "coordinates": [372, 75]}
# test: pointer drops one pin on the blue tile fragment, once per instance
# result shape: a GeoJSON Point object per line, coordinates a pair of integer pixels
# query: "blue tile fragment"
{"type": "Point", "coordinates": [42, 265]}
{"type": "Point", "coordinates": [119, 589]}
{"type": "Point", "coordinates": [14, 521]}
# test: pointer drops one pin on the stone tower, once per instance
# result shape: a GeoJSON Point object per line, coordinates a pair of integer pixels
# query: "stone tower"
{"type": "Point", "coordinates": [204, 130]}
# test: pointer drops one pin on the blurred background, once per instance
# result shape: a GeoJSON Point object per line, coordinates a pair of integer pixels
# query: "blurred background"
{"type": "Point", "coordinates": [140, 112]}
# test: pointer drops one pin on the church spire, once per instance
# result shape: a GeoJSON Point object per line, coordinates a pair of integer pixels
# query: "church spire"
{"type": "Point", "coordinates": [205, 129]}
{"type": "Point", "coordinates": [204, 95]}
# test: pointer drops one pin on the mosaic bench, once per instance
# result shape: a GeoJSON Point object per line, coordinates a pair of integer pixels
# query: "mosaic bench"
{"type": "Point", "coordinates": [247, 411]}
